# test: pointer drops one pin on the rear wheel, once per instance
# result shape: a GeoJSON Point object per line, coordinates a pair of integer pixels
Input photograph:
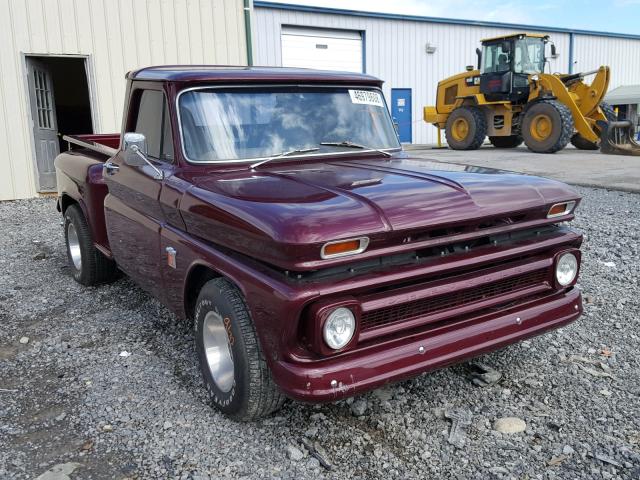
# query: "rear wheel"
{"type": "Point", "coordinates": [547, 126]}
{"type": "Point", "coordinates": [232, 364]}
{"type": "Point", "coordinates": [466, 128]}
{"type": "Point", "coordinates": [582, 143]}
{"type": "Point", "coordinates": [88, 265]}
{"type": "Point", "coordinates": [511, 141]}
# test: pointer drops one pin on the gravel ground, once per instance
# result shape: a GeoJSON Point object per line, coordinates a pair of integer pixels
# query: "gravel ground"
{"type": "Point", "coordinates": [68, 395]}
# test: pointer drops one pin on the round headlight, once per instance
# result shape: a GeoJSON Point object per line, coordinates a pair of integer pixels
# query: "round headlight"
{"type": "Point", "coordinates": [339, 327]}
{"type": "Point", "coordinates": [566, 269]}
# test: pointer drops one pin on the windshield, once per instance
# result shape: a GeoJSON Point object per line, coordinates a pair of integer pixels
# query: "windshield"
{"type": "Point", "coordinates": [245, 123]}
{"type": "Point", "coordinates": [529, 56]}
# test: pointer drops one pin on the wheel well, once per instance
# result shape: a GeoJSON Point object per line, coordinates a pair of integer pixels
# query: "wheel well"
{"type": "Point", "coordinates": [65, 202]}
{"type": "Point", "coordinates": [198, 276]}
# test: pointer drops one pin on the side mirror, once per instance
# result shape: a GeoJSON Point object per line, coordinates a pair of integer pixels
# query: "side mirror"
{"type": "Point", "coordinates": [554, 53]}
{"type": "Point", "coordinates": [135, 149]}
{"type": "Point", "coordinates": [135, 153]}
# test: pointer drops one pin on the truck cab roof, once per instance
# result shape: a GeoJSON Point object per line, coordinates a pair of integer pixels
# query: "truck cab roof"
{"type": "Point", "coordinates": [240, 74]}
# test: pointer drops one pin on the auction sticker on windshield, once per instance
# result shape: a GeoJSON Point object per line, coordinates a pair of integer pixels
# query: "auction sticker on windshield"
{"type": "Point", "coordinates": [366, 97]}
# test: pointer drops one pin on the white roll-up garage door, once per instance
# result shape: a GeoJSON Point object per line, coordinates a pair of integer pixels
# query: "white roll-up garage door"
{"type": "Point", "coordinates": [322, 49]}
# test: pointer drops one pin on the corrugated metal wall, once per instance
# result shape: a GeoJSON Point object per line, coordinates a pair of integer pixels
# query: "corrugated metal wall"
{"type": "Point", "coordinates": [395, 52]}
{"type": "Point", "coordinates": [622, 55]}
{"type": "Point", "coordinates": [117, 36]}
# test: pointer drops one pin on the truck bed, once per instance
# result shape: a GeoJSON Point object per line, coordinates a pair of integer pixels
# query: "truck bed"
{"type": "Point", "coordinates": [79, 174]}
{"type": "Point", "coordinates": [104, 143]}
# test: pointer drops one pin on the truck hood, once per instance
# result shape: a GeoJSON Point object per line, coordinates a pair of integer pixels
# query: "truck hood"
{"type": "Point", "coordinates": [278, 211]}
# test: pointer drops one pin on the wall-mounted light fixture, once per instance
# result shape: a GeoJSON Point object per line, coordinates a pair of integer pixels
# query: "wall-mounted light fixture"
{"type": "Point", "coordinates": [430, 49]}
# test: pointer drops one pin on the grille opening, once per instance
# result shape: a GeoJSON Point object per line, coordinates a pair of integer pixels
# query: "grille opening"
{"type": "Point", "coordinates": [471, 227]}
{"type": "Point", "coordinates": [427, 306]}
{"type": "Point", "coordinates": [477, 314]}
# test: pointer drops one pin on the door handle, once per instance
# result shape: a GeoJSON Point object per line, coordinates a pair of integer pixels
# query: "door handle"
{"type": "Point", "coordinates": [111, 168]}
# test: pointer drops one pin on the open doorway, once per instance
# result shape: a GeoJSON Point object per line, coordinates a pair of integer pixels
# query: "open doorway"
{"type": "Point", "coordinates": [60, 104]}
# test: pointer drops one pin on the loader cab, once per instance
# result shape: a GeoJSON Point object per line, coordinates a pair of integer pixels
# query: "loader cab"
{"type": "Point", "coordinates": [507, 62]}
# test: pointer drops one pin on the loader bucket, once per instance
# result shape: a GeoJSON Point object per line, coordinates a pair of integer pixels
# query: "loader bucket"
{"type": "Point", "coordinates": [617, 138]}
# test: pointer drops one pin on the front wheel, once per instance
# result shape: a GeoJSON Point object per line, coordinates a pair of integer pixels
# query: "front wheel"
{"type": "Point", "coordinates": [547, 126]}
{"type": "Point", "coordinates": [88, 265]}
{"type": "Point", "coordinates": [466, 128]}
{"type": "Point", "coordinates": [231, 362]}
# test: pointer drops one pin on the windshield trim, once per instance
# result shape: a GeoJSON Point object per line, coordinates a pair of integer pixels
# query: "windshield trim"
{"type": "Point", "coordinates": [289, 157]}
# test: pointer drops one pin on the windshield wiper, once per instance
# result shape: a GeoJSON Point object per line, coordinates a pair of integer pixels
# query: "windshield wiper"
{"type": "Point", "coordinates": [348, 144]}
{"type": "Point", "coordinates": [284, 154]}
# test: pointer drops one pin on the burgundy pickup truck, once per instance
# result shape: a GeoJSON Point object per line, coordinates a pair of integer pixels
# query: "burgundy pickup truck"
{"type": "Point", "coordinates": [276, 209]}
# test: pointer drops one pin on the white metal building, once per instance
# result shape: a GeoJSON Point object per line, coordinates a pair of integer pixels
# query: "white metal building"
{"type": "Point", "coordinates": [63, 62]}
{"type": "Point", "coordinates": [411, 54]}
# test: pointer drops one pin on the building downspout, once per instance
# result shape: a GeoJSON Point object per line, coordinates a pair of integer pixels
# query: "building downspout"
{"type": "Point", "coordinates": [571, 42]}
{"type": "Point", "coordinates": [247, 31]}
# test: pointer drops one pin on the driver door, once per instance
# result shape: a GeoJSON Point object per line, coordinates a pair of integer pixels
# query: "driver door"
{"type": "Point", "coordinates": [132, 209]}
{"type": "Point", "coordinates": [495, 79]}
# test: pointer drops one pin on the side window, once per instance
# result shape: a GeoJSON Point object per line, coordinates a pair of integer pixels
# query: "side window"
{"type": "Point", "coordinates": [495, 60]}
{"type": "Point", "coordinates": [153, 121]}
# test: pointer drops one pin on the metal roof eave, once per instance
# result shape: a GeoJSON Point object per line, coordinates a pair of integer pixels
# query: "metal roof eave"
{"type": "Point", "coordinates": [624, 95]}
{"type": "Point", "coordinates": [450, 21]}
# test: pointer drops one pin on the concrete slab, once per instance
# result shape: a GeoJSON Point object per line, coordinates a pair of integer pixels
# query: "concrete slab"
{"type": "Point", "coordinates": [573, 166]}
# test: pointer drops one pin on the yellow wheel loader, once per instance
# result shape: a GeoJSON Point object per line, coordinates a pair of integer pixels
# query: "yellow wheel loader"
{"type": "Point", "coordinates": [510, 99]}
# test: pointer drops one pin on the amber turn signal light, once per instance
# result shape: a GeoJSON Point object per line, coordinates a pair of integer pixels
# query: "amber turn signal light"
{"type": "Point", "coordinates": [344, 247]}
{"type": "Point", "coordinates": [560, 209]}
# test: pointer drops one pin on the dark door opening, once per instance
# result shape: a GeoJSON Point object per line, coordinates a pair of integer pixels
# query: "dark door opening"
{"type": "Point", "coordinates": [60, 105]}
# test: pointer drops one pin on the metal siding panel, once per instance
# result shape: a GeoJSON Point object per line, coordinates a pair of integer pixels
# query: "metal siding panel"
{"type": "Point", "coordinates": [105, 88]}
{"type": "Point", "coordinates": [156, 35]}
{"type": "Point", "coordinates": [52, 24]}
{"type": "Point", "coordinates": [395, 51]}
{"type": "Point", "coordinates": [8, 189]}
{"type": "Point", "coordinates": [208, 36]}
{"type": "Point", "coordinates": [194, 30]}
{"type": "Point", "coordinates": [219, 23]}
{"type": "Point", "coordinates": [84, 26]}
{"type": "Point", "coordinates": [117, 35]}
{"type": "Point", "coordinates": [236, 11]}
{"type": "Point", "coordinates": [15, 153]}
{"type": "Point", "coordinates": [127, 30]}
{"type": "Point", "coordinates": [36, 25]}
{"type": "Point", "coordinates": [181, 26]}
{"type": "Point", "coordinates": [620, 54]}
{"type": "Point", "coordinates": [69, 30]}
{"type": "Point", "coordinates": [168, 26]}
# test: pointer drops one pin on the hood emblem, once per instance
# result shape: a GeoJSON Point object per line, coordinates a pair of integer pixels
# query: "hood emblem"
{"type": "Point", "coordinates": [366, 181]}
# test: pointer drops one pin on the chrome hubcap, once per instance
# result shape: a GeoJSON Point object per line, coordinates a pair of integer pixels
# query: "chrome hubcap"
{"type": "Point", "coordinates": [74, 246]}
{"type": "Point", "coordinates": [217, 350]}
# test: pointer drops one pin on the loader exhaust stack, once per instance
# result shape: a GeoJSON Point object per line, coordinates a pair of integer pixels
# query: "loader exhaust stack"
{"type": "Point", "coordinates": [617, 138]}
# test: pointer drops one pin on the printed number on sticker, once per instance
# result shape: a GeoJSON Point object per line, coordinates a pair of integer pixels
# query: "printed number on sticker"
{"type": "Point", "coordinates": [366, 97]}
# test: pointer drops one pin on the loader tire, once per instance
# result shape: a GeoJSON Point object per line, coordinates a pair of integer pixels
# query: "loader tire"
{"type": "Point", "coordinates": [582, 143]}
{"type": "Point", "coordinates": [547, 126]}
{"type": "Point", "coordinates": [466, 128]}
{"type": "Point", "coordinates": [511, 141]}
